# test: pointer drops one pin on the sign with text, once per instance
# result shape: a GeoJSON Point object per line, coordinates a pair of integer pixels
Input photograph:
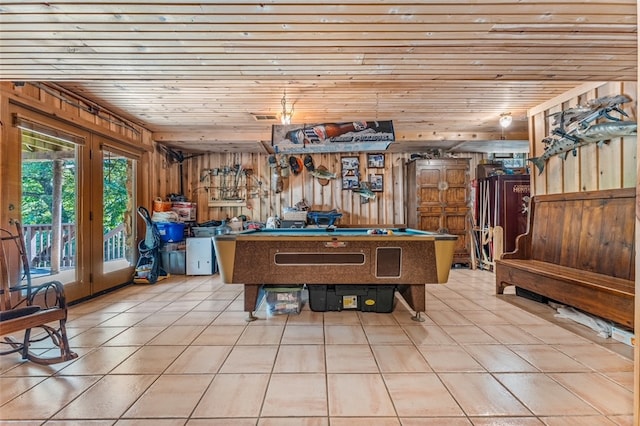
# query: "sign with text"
{"type": "Point", "coordinates": [333, 137]}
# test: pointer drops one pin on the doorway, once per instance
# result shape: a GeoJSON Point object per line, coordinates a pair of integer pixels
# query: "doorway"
{"type": "Point", "coordinates": [77, 203]}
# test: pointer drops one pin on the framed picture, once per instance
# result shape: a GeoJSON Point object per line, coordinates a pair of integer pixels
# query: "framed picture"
{"type": "Point", "coordinates": [376, 183]}
{"type": "Point", "coordinates": [350, 163]}
{"type": "Point", "coordinates": [350, 182]}
{"type": "Point", "coordinates": [350, 172]}
{"type": "Point", "coordinates": [375, 161]}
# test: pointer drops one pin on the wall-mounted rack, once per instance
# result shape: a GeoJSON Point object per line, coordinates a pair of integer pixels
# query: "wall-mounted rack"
{"type": "Point", "coordinates": [228, 186]}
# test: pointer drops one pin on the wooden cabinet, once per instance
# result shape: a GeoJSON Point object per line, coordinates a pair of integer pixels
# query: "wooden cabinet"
{"type": "Point", "coordinates": [438, 199]}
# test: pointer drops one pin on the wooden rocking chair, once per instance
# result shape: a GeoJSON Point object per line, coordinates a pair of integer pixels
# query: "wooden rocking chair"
{"type": "Point", "coordinates": [24, 306]}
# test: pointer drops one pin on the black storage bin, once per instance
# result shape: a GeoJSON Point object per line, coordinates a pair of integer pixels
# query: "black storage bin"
{"type": "Point", "coordinates": [293, 224]}
{"type": "Point", "coordinates": [365, 298]}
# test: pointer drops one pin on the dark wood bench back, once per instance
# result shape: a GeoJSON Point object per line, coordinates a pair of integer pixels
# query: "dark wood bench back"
{"type": "Point", "coordinates": [591, 231]}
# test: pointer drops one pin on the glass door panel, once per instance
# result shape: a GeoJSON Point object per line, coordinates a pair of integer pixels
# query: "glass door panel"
{"type": "Point", "coordinates": [49, 205]}
{"type": "Point", "coordinates": [118, 246]}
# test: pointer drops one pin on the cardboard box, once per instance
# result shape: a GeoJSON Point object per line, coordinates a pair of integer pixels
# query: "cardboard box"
{"type": "Point", "coordinates": [185, 211]}
{"type": "Point", "coordinates": [295, 215]}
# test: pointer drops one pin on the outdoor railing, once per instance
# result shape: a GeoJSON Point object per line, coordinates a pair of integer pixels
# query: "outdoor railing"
{"type": "Point", "coordinates": [39, 240]}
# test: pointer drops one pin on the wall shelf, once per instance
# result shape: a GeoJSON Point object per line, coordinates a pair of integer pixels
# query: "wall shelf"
{"type": "Point", "coordinates": [227, 203]}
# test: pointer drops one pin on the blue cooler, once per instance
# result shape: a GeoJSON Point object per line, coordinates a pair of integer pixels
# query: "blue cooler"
{"type": "Point", "coordinates": [170, 232]}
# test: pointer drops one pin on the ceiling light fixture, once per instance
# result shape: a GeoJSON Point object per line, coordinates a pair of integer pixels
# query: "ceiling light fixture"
{"type": "Point", "coordinates": [505, 120]}
{"type": "Point", "coordinates": [286, 116]}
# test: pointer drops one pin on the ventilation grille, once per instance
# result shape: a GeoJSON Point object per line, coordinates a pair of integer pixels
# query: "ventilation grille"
{"type": "Point", "coordinates": [264, 117]}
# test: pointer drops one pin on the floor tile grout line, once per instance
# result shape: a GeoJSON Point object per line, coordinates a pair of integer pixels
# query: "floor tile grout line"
{"type": "Point", "coordinates": [325, 344]}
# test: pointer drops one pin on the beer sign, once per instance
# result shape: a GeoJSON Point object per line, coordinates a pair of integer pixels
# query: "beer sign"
{"type": "Point", "coordinates": [332, 137]}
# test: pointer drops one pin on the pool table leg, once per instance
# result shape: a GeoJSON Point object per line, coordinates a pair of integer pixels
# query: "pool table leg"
{"type": "Point", "coordinates": [415, 296]}
{"type": "Point", "coordinates": [251, 293]}
{"type": "Point", "coordinates": [417, 317]}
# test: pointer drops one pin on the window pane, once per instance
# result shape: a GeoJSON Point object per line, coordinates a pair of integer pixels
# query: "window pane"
{"type": "Point", "coordinates": [118, 195]}
{"type": "Point", "coordinates": [49, 205]}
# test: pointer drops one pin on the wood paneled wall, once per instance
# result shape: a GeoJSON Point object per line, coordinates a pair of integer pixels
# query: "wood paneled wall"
{"type": "Point", "coordinates": [387, 208]}
{"type": "Point", "coordinates": [51, 101]}
{"type": "Point", "coordinates": [612, 165]}
{"type": "Point", "coordinates": [54, 101]}
{"type": "Point", "coordinates": [159, 176]}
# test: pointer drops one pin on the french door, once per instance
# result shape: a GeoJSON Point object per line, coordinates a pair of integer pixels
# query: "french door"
{"type": "Point", "coordinates": [112, 215]}
{"type": "Point", "coordinates": [78, 197]}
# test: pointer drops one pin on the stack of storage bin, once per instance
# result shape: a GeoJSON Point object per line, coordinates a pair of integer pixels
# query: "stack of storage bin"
{"type": "Point", "coordinates": [169, 218]}
{"type": "Point", "coordinates": [173, 247]}
{"type": "Point", "coordinates": [173, 258]}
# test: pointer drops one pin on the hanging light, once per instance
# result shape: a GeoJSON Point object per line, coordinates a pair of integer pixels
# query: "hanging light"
{"type": "Point", "coordinates": [285, 117]}
{"type": "Point", "coordinates": [505, 120]}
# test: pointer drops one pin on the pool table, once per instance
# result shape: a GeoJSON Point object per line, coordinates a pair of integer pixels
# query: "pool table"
{"type": "Point", "coordinates": [403, 257]}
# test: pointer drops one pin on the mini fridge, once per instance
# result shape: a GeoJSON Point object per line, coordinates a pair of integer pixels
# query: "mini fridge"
{"type": "Point", "coordinates": [200, 256]}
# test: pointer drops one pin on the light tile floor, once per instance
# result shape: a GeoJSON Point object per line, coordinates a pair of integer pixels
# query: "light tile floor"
{"type": "Point", "coordinates": [181, 353]}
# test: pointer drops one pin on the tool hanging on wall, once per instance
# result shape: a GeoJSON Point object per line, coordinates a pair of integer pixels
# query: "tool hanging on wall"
{"type": "Point", "coordinates": [231, 183]}
{"type": "Point", "coordinates": [276, 178]}
{"type": "Point", "coordinates": [235, 192]}
{"type": "Point", "coordinates": [176, 157]}
{"type": "Point", "coordinates": [284, 165]}
{"type": "Point", "coordinates": [295, 164]}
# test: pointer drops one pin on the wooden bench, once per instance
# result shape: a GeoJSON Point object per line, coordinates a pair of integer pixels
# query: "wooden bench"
{"type": "Point", "coordinates": [580, 251]}
{"type": "Point", "coordinates": [24, 307]}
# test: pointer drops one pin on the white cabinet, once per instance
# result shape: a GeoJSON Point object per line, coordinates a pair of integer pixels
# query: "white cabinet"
{"type": "Point", "coordinates": [200, 256]}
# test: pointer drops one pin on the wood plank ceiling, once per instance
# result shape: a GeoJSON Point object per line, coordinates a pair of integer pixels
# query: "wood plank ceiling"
{"type": "Point", "coordinates": [198, 73]}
